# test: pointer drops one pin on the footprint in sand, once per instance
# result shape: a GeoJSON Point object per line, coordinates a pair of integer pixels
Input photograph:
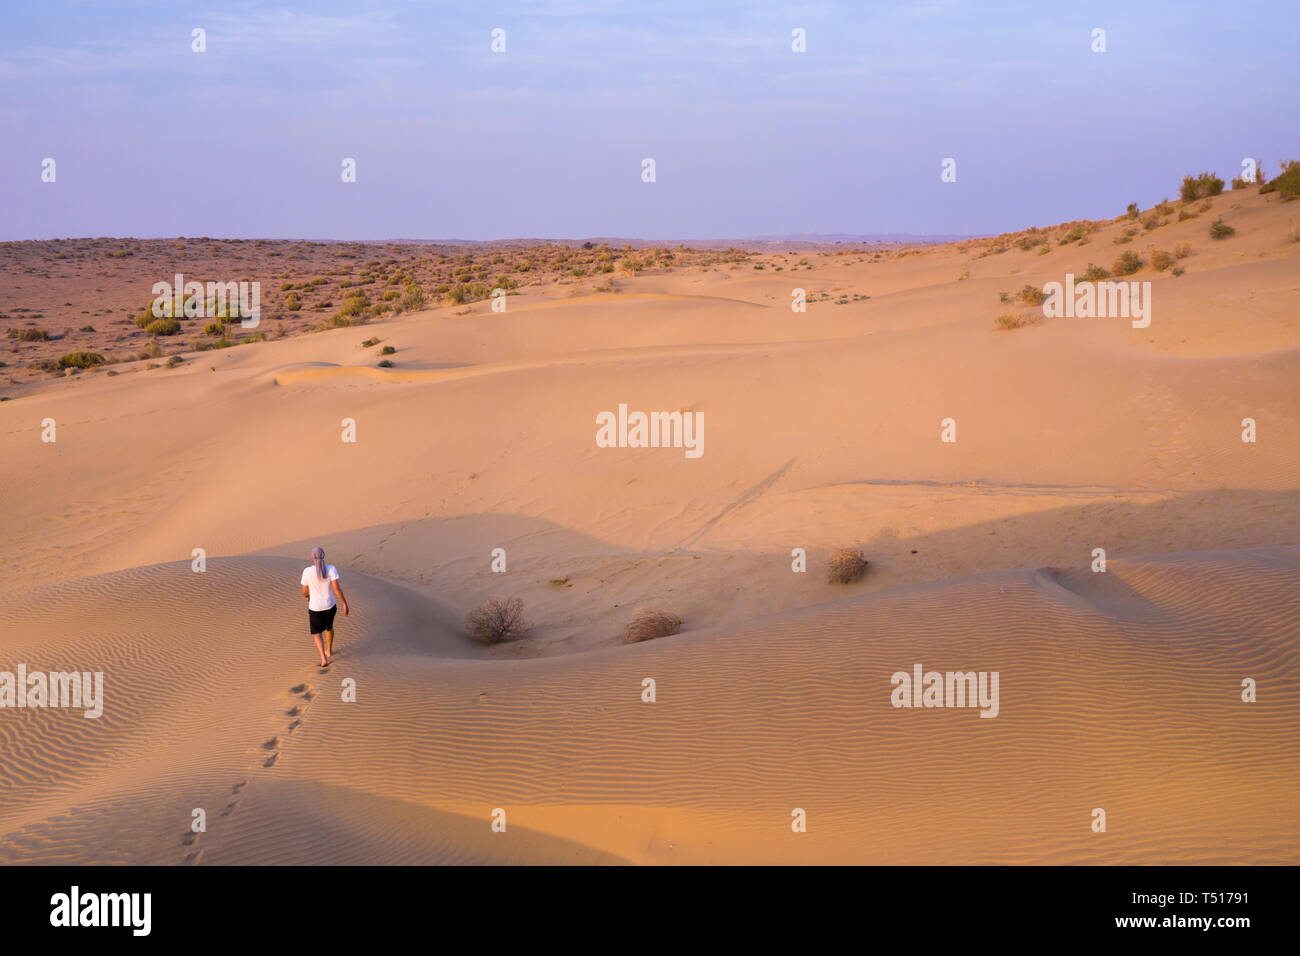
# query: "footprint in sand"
{"type": "Point", "coordinates": [294, 711]}
{"type": "Point", "coordinates": [230, 808]}
{"type": "Point", "coordinates": [189, 838]}
{"type": "Point", "coordinates": [294, 726]}
{"type": "Point", "coordinates": [239, 786]}
{"type": "Point", "coordinates": [192, 858]}
{"type": "Point", "coordinates": [271, 744]}
{"type": "Point", "coordinates": [270, 761]}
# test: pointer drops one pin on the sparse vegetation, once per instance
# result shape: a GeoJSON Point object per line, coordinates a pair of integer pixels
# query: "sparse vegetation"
{"type": "Point", "coordinates": [81, 360]}
{"type": "Point", "coordinates": [1094, 272]}
{"type": "Point", "coordinates": [1287, 184]}
{"type": "Point", "coordinates": [1161, 260]}
{"type": "Point", "coordinates": [1032, 295]}
{"type": "Point", "coordinates": [845, 565]}
{"type": "Point", "coordinates": [497, 620]}
{"type": "Point", "coordinates": [1126, 263]}
{"type": "Point", "coordinates": [1200, 187]}
{"type": "Point", "coordinates": [648, 624]}
{"type": "Point", "coordinates": [1220, 229]}
{"type": "Point", "coordinates": [163, 327]}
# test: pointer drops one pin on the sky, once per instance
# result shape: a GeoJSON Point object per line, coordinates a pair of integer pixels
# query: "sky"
{"type": "Point", "coordinates": [452, 140]}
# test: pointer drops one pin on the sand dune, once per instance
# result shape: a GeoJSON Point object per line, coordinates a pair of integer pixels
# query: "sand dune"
{"type": "Point", "coordinates": [822, 429]}
{"type": "Point", "coordinates": [1118, 691]}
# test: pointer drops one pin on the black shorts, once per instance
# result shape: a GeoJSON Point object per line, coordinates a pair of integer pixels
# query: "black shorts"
{"type": "Point", "coordinates": [321, 620]}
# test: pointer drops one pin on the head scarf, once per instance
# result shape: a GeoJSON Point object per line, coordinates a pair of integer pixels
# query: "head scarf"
{"type": "Point", "coordinates": [318, 559]}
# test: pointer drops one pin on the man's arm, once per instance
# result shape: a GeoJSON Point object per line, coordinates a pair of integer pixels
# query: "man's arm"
{"type": "Point", "coordinates": [342, 600]}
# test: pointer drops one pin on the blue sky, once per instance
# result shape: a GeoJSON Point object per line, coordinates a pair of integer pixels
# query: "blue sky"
{"type": "Point", "coordinates": [546, 140]}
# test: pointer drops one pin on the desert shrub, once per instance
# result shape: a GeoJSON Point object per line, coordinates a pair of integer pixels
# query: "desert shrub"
{"type": "Point", "coordinates": [845, 565]}
{"type": "Point", "coordinates": [1220, 229]}
{"type": "Point", "coordinates": [387, 350]}
{"type": "Point", "coordinates": [354, 305]}
{"type": "Point", "coordinates": [29, 335]}
{"type": "Point", "coordinates": [1132, 211]}
{"type": "Point", "coordinates": [1151, 222]}
{"type": "Point", "coordinates": [648, 624]}
{"type": "Point", "coordinates": [1031, 295]}
{"type": "Point", "coordinates": [1200, 187]}
{"type": "Point", "coordinates": [413, 298]}
{"type": "Point", "coordinates": [1126, 264]}
{"type": "Point", "coordinates": [292, 302]}
{"type": "Point", "coordinates": [496, 620]}
{"type": "Point", "coordinates": [1182, 250]}
{"type": "Point", "coordinates": [1164, 208]}
{"type": "Point", "coordinates": [369, 342]}
{"type": "Point", "coordinates": [1093, 273]}
{"type": "Point", "coordinates": [1161, 260]}
{"type": "Point", "coordinates": [214, 328]}
{"type": "Point", "coordinates": [1011, 320]}
{"type": "Point", "coordinates": [1178, 270]}
{"type": "Point", "coordinates": [163, 327]}
{"type": "Point", "coordinates": [87, 328]}
{"type": "Point", "coordinates": [1184, 214]}
{"type": "Point", "coordinates": [1287, 185]}
{"type": "Point", "coordinates": [384, 363]}
{"type": "Point", "coordinates": [81, 360]}
{"type": "Point", "coordinates": [174, 361]}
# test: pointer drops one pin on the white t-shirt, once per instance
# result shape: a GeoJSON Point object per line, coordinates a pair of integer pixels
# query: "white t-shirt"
{"type": "Point", "coordinates": [322, 594]}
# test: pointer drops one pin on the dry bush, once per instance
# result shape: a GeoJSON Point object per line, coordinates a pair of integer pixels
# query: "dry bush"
{"type": "Point", "coordinates": [1182, 250]}
{"type": "Point", "coordinates": [497, 620]}
{"type": "Point", "coordinates": [1013, 320]}
{"type": "Point", "coordinates": [1220, 229]}
{"type": "Point", "coordinates": [846, 566]}
{"type": "Point", "coordinates": [1161, 260]}
{"type": "Point", "coordinates": [1127, 264]}
{"type": "Point", "coordinates": [648, 624]}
